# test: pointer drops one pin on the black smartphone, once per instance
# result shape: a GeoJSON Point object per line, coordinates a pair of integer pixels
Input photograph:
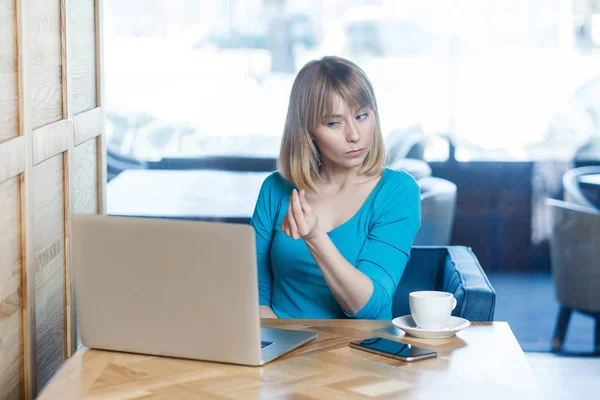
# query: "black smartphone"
{"type": "Point", "coordinates": [393, 349]}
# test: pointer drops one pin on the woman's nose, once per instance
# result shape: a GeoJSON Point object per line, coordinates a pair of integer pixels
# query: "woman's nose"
{"type": "Point", "coordinates": [352, 134]}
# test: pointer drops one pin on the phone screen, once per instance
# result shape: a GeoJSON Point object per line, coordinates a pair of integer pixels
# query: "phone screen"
{"type": "Point", "coordinates": [394, 349]}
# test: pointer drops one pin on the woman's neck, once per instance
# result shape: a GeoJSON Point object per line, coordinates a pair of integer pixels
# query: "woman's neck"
{"type": "Point", "coordinates": [336, 179]}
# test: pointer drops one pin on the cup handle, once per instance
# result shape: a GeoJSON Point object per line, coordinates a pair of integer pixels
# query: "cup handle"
{"type": "Point", "coordinates": [453, 303]}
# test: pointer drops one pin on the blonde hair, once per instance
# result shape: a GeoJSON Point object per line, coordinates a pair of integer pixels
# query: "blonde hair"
{"type": "Point", "coordinates": [311, 99]}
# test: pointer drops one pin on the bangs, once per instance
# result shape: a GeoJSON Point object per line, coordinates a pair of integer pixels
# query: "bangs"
{"type": "Point", "coordinates": [317, 90]}
{"type": "Point", "coordinates": [348, 88]}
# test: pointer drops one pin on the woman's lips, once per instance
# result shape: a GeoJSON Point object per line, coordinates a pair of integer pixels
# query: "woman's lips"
{"type": "Point", "coordinates": [354, 153]}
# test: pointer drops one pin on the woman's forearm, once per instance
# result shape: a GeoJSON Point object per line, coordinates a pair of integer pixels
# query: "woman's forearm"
{"type": "Point", "coordinates": [266, 312]}
{"type": "Point", "coordinates": [351, 288]}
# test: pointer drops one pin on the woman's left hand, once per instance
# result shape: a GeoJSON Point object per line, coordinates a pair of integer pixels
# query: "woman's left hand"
{"type": "Point", "coordinates": [300, 220]}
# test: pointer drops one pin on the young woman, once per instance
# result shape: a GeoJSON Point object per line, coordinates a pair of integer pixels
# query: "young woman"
{"type": "Point", "coordinates": [333, 227]}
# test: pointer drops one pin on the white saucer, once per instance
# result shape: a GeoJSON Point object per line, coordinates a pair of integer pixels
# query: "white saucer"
{"type": "Point", "coordinates": [407, 324]}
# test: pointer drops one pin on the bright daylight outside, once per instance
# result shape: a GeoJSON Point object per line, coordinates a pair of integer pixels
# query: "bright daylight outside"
{"type": "Point", "coordinates": [509, 80]}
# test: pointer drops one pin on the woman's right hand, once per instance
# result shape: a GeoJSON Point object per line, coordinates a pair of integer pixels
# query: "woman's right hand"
{"type": "Point", "coordinates": [300, 220]}
{"type": "Point", "coordinates": [266, 312]}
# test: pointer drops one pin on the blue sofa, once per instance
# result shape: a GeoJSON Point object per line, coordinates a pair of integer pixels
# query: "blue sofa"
{"type": "Point", "coordinates": [453, 269]}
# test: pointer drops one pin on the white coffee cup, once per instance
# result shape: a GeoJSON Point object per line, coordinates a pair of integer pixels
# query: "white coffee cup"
{"type": "Point", "coordinates": [431, 309]}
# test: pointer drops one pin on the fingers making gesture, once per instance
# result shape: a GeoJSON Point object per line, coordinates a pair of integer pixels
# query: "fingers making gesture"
{"type": "Point", "coordinates": [300, 220]}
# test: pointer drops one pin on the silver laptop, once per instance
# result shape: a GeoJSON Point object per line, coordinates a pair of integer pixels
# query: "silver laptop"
{"type": "Point", "coordinates": [172, 288]}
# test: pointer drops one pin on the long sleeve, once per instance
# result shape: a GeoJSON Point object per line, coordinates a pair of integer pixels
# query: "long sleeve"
{"type": "Point", "coordinates": [263, 220]}
{"type": "Point", "coordinates": [387, 247]}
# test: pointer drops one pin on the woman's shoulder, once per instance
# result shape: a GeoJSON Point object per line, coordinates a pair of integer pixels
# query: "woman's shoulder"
{"type": "Point", "coordinates": [398, 190]}
{"type": "Point", "coordinates": [394, 179]}
{"type": "Point", "coordinates": [275, 183]}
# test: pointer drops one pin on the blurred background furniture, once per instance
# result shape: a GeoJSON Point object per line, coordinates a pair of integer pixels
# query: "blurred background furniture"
{"type": "Point", "coordinates": [117, 162]}
{"type": "Point", "coordinates": [218, 163]}
{"type": "Point", "coordinates": [579, 190]}
{"type": "Point", "coordinates": [438, 204]}
{"type": "Point", "coordinates": [575, 255]}
{"type": "Point", "coordinates": [206, 195]}
{"type": "Point", "coordinates": [417, 168]}
{"type": "Point", "coordinates": [590, 187]}
{"type": "Point", "coordinates": [453, 269]}
{"type": "Point", "coordinates": [405, 143]}
{"type": "Point", "coordinates": [590, 180]}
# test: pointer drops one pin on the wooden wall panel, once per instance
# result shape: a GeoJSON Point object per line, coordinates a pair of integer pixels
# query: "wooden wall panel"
{"type": "Point", "coordinates": [8, 71]}
{"type": "Point", "coordinates": [46, 62]}
{"type": "Point", "coordinates": [49, 266]}
{"type": "Point", "coordinates": [85, 178]}
{"type": "Point", "coordinates": [88, 125]}
{"type": "Point", "coordinates": [52, 164]}
{"type": "Point", "coordinates": [11, 323]}
{"type": "Point", "coordinates": [12, 158]}
{"type": "Point", "coordinates": [50, 140]}
{"type": "Point", "coordinates": [84, 190]}
{"type": "Point", "coordinates": [82, 55]}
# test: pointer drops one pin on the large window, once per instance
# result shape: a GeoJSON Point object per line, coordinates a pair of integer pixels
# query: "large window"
{"type": "Point", "coordinates": [506, 80]}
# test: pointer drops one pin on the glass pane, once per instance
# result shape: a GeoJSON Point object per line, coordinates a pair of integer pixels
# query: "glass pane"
{"type": "Point", "coordinates": [515, 79]}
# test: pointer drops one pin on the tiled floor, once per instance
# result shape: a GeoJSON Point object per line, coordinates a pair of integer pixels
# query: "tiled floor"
{"type": "Point", "coordinates": [529, 305]}
{"type": "Point", "coordinates": [566, 378]}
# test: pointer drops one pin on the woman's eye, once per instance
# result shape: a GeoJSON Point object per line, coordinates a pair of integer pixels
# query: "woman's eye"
{"type": "Point", "coordinates": [360, 117]}
{"type": "Point", "coordinates": [333, 124]}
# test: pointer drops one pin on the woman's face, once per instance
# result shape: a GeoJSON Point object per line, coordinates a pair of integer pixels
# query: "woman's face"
{"type": "Point", "coordinates": [345, 138]}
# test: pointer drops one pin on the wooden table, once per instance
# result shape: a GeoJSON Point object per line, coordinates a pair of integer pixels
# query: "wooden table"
{"type": "Point", "coordinates": [483, 361]}
{"type": "Point", "coordinates": [185, 194]}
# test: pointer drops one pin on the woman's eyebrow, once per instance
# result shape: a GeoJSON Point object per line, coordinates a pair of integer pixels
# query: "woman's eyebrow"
{"type": "Point", "coordinates": [328, 116]}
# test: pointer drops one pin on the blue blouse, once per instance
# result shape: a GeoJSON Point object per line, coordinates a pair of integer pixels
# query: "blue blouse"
{"type": "Point", "coordinates": [376, 240]}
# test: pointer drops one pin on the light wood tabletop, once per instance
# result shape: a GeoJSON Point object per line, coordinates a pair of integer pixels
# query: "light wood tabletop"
{"type": "Point", "coordinates": [483, 361]}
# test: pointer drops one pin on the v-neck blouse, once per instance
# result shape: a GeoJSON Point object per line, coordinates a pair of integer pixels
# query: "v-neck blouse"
{"type": "Point", "coordinates": [376, 240]}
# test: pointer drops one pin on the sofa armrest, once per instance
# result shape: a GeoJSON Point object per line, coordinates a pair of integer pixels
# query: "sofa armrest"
{"type": "Point", "coordinates": [463, 276]}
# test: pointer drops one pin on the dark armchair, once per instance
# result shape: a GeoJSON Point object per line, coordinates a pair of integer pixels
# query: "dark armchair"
{"type": "Point", "coordinates": [574, 252]}
{"type": "Point", "coordinates": [453, 269]}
